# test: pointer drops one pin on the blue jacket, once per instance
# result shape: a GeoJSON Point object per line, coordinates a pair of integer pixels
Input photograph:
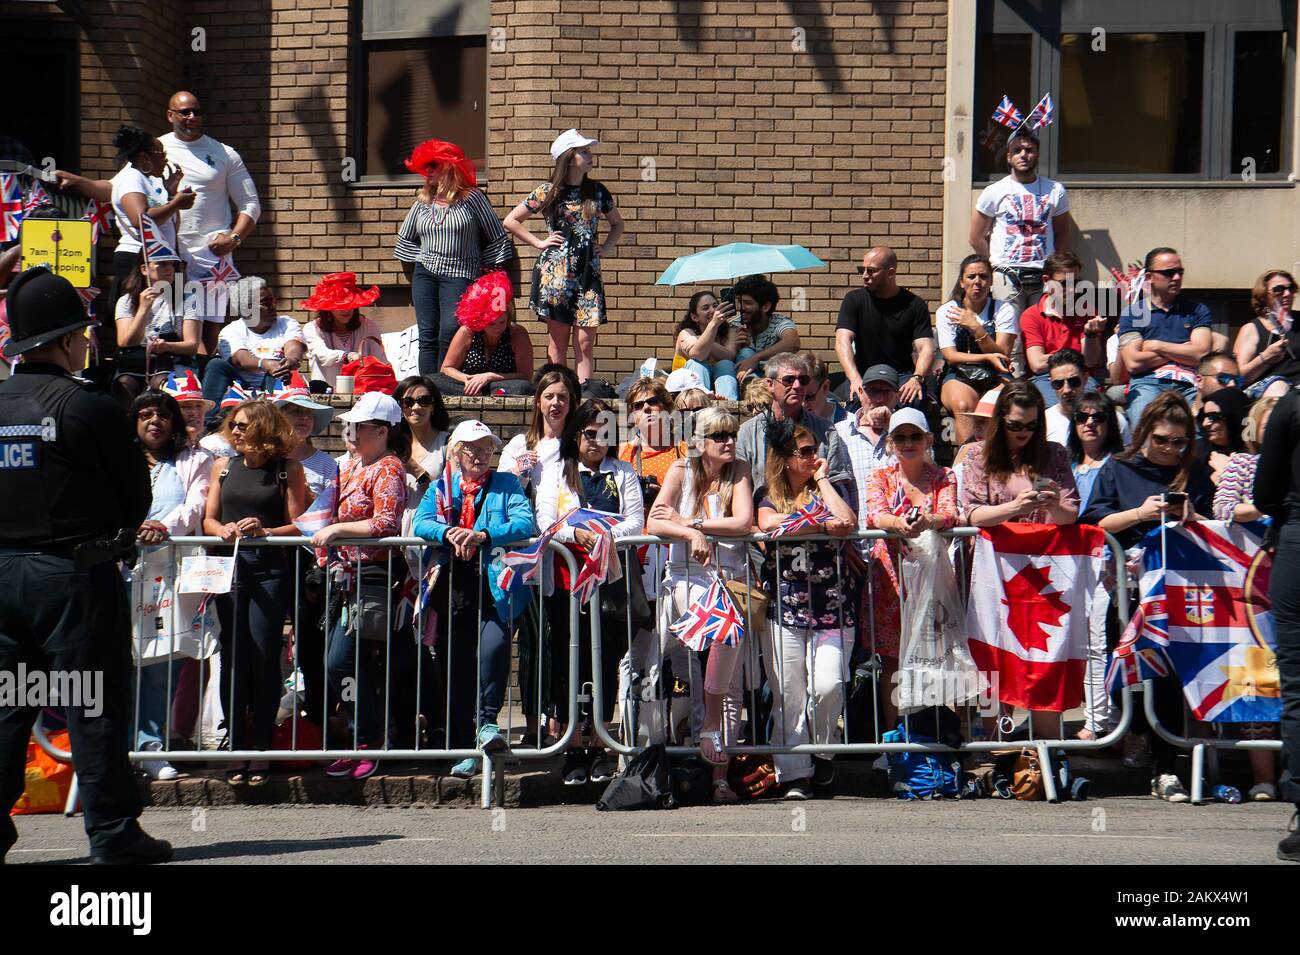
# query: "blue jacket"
{"type": "Point", "coordinates": [502, 512]}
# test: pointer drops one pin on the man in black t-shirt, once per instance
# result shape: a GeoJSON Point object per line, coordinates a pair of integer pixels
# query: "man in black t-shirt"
{"type": "Point", "coordinates": [883, 324]}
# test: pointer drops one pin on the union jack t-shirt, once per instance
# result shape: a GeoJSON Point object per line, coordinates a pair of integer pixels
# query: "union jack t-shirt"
{"type": "Point", "coordinates": [1022, 216]}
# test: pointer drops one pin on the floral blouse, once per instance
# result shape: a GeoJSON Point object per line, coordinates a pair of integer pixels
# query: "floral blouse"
{"type": "Point", "coordinates": [980, 490]}
{"type": "Point", "coordinates": [374, 493]}
{"type": "Point", "coordinates": [885, 494]}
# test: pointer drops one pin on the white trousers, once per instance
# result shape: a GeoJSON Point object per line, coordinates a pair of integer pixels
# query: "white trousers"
{"type": "Point", "coordinates": [1098, 708]}
{"type": "Point", "coordinates": [805, 667]}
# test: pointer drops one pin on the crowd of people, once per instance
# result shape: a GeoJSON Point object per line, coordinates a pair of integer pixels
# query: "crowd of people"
{"type": "Point", "coordinates": [1060, 412]}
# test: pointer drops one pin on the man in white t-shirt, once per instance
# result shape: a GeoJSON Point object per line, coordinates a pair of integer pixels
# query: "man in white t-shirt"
{"type": "Point", "coordinates": [1022, 218]}
{"type": "Point", "coordinates": [1069, 378]}
{"type": "Point", "coordinates": [221, 185]}
{"type": "Point", "coordinates": [255, 350]}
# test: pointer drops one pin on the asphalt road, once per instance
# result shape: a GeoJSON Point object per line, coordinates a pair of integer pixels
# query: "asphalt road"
{"type": "Point", "coordinates": [1137, 830]}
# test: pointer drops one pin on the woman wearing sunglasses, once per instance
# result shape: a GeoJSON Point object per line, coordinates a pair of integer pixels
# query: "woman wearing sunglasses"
{"type": "Point", "coordinates": [809, 636]}
{"type": "Point", "coordinates": [1260, 347]}
{"type": "Point", "coordinates": [1094, 436]}
{"type": "Point", "coordinates": [586, 475]}
{"type": "Point", "coordinates": [1018, 475]}
{"type": "Point", "coordinates": [1220, 421]}
{"type": "Point", "coordinates": [1158, 478]}
{"type": "Point", "coordinates": [707, 494]}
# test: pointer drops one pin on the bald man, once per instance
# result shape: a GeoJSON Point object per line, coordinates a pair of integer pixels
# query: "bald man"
{"type": "Point", "coordinates": [221, 184]}
{"type": "Point", "coordinates": [883, 323]}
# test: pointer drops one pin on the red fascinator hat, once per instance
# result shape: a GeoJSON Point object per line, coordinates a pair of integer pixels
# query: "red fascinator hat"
{"type": "Point", "coordinates": [338, 292]}
{"type": "Point", "coordinates": [439, 152]}
{"type": "Point", "coordinates": [485, 301]}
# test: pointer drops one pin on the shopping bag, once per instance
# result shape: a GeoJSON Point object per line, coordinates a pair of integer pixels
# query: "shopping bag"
{"type": "Point", "coordinates": [48, 780]}
{"type": "Point", "coordinates": [935, 667]}
{"type": "Point", "coordinates": [370, 374]}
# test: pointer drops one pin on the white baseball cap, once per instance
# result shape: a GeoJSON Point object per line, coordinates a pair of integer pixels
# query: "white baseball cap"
{"type": "Point", "coordinates": [469, 431]}
{"type": "Point", "coordinates": [683, 379]}
{"type": "Point", "coordinates": [374, 406]}
{"type": "Point", "coordinates": [570, 139]}
{"type": "Point", "coordinates": [912, 416]}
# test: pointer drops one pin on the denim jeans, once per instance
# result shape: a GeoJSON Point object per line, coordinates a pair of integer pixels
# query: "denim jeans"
{"type": "Point", "coordinates": [435, 298]}
{"type": "Point", "coordinates": [252, 618]}
{"type": "Point", "coordinates": [156, 700]}
{"type": "Point", "coordinates": [1142, 391]}
{"type": "Point", "coordinates": [221, 373]}
{"type": "Point", "coordinates": [369, 672]}
{"type": "Point", "coordinates": [721, 377]}
{"type": "Point", "coordinates": [470, 656]}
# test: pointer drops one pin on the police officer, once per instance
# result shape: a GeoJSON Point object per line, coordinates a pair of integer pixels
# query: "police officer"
{"type": "Point", "coordinates": [73, 490]}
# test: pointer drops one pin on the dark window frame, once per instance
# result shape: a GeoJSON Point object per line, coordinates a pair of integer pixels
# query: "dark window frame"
{"type": "Point", "coordinates": [58, 31]}
{"type": "Point", "coordinates": [358, 96]}
{"type": "Point", "coordinates": [1218, 20]}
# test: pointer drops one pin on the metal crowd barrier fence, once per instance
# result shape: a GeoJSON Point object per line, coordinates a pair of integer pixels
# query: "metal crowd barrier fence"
{"type": "Point", "coordinates": [1002, 743]}
{"type": "Point", "coordinates": [396, 569]}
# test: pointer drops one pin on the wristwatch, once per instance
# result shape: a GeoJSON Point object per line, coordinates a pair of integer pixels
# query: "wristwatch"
{"type": "Point", "coordinates": [698, 524]}
{"type": "Point", "coordinates": [236, 238]}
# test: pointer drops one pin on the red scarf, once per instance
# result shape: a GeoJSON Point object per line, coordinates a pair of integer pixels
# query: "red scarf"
{"type": "Point", "coordinates": [468, 491]}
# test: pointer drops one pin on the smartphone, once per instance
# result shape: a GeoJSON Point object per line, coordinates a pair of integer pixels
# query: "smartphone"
{"type": "Point", "coordinates": [1176, 500]}
{"type": "Point", "coordinates": [727, 294]}
{"type": "Point", "coordinates": [913, 515]}
{"type": "Point", "coordinates": [1043, 484]}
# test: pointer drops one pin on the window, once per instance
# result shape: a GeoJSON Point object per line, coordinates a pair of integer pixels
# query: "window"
{"type": "Point", "coordinates": [422, 68]}
{"type": "Point", "coordinates": [1165, 90]}
{"type": "Point", "coordinates": [47, 125]}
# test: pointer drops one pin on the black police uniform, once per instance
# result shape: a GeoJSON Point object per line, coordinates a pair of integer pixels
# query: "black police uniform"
{"type": "Point", "coordinates": [71, 479]}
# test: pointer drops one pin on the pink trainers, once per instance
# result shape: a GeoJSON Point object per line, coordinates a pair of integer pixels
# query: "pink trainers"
{"type": "Point", "coordinates": [365, 768]}
{"type": "Point", "coordinates": [340, 767]}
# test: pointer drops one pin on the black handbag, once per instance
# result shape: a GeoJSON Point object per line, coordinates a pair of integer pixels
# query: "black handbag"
{"type": "Point", "coordinates": [625, 599]}
{"type": "Point", "coordinates": [645, 783]}
{"type": "Point", "coordinates": [367, 605]}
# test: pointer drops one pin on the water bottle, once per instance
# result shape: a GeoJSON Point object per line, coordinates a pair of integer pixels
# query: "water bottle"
{"type": "Point", "coordinates": [1228, 794]}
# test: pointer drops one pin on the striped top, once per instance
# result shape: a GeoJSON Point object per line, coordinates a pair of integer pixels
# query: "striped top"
{"type": "Point", "coordinates": [459, 241]}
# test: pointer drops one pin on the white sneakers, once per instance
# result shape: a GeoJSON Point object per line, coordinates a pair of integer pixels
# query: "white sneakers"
{"type": "Point", "coordinates": [1262, 792]}
{"type": "Point", "coordinates": [1169, 788]}
{"type": "Point", "coordinates": [159, 769]}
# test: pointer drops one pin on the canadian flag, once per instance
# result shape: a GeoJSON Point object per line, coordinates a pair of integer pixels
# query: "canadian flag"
{"type": "Point", "coordinates": [1027, 619]}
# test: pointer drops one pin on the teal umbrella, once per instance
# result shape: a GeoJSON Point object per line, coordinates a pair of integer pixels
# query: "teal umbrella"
{"type": "Point", "coordinates": [726, 262]}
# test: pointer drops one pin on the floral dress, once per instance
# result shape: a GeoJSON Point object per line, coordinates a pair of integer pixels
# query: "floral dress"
{"type": "Point", "coordinates": [809, 594]}
{"type": "Point", "coordinates": [885, 496]}
{"type": "Point", "coordinates": [566, 278]}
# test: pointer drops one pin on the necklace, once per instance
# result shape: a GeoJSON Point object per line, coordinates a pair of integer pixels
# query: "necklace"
{"type": "Point", "coordinates": [438, 217]}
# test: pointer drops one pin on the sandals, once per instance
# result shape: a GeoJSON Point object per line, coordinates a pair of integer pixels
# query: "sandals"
{"type": "Point", "coordinates": [711, 748]}
{"type": "Point", "coordinates": [237, 775]}
{"type": "Point", "coordinates": [723, 793]}
{"type": "Point", "coordinates": [259, 774]}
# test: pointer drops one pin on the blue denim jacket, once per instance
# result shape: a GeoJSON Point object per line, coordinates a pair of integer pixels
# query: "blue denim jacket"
{"type": "Point", "coordinates": [503, 513]}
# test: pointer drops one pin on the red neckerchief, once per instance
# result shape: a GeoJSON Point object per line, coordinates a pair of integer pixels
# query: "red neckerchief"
{"type": "Point", "coordinates": [468, 491]}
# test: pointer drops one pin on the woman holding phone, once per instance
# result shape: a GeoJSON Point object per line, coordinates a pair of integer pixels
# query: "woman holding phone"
{"type": "Point", "coordinates": [1159, 478]}
{"type": "Point", "coordinates": [1261, 345]}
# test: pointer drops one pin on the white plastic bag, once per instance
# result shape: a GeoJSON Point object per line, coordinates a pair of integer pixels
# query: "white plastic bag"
{"type": "Point", "coordinates": [934, 663]}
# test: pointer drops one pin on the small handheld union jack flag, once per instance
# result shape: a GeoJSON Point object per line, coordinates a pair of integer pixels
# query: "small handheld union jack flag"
{"type": "Point", "coordinates": [88, 296]}
{"type": "Point", "coordinates": [11, 207]}
{"type": "Point", "coordinates": [156, 248]}
{"type": "Point", "coordinates": [1007, 114]}
{"type": "Point", "coordinates": [35, 199]}
{"type": "Point", "coordinates": [1041, 115]}
{"type": "Point", "coordinates": [237, 395]}
{"type": "Point", "coordinates": [811, 514]}
{"type": "Point", "coordinates": [711, 620]}
{"type": "Point", "coordinates": [223, 271]}
{"type": "Point", "coordinates": [98, 213]}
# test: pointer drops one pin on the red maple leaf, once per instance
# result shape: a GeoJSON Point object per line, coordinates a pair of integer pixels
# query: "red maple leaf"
{"type": "Point", "coordinates": [1029, 609]}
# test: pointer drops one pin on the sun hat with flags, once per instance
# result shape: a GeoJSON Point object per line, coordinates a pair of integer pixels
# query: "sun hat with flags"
{"type": "Point", "coordinates": [186, 388]}
{"type": "Point", "coordinates": [338, 292]}
{"type": "Point", "coordinates": [987, 404]}
{"type": "Point", "coordinates": [295, 392]}
{"type": "Point", "coordinates": [236, 396]}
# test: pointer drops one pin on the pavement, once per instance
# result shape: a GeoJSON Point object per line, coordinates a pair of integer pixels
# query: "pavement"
{"type": "Point", "coordinates": [1123, 830]}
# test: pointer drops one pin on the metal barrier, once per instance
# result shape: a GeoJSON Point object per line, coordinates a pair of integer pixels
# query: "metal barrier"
{"type": "Point", "coordinates": [1001, 744]}
{"type": "Point", "coordinates": [395, 571]}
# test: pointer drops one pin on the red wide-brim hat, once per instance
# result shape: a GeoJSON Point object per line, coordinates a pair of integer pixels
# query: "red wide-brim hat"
{"type": "Point", "coordinates": [338, 292]}
{"type": "Point", "coordinates": [485, 301]}
{"type": "Point", "coordinates": [438, 152]}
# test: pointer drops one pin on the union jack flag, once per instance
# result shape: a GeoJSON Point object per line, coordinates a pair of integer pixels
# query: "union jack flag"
{"type": "Point", "coordinates": [1041, 115]}
{"type": "Point", "coordinates": [223, 271]}
{"type": "Point", "coordinates": [237, 395]}
{"type": "Point", "coordinates": [417, 599]}
{"type": "Point", "coordinates": [811, 514]}
{"type": "Point", "coordinates": [155, 246]}
{"type": "Point", "coordinates": [37, 198]}
{"type": "Point", "coordinates": [1140, 653]}
{"type": "Point", "coordinates": [1025, 217]}
{"type": "Point", "coordinates": [11, 206]}
{"type": "Point", "coordinates": [1007, 114]}
{"type": "Point", "coordinates": [596, 564]}
{"type": "Point", "coordinates": [99, 214]}
{"type": "Point", "coordinates": [88, 296]}
{"type": "Point", "coordinates": [711, 620]}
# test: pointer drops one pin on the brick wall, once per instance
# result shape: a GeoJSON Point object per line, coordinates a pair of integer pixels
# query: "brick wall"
{"type": "Point", "coordinates": [715, 128]}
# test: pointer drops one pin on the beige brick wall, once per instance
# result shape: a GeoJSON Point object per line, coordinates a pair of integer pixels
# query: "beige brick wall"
{"type": "Point", "coordinates": [837, 147]}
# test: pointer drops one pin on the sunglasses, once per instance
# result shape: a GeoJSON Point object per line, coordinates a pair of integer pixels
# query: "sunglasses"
{"type": "Point", "coordinates": [907, 437]}
{"type": "Point", "coordinates": [239, 426]}
{"type": "Point", "coordinates": [1074, 381]}
{"type": "Point", "coordinates": [789, 380]}
{"type": "Point", "coordinates": [1212, 417]}
{"type": "Point", "coordinates": [591, 434]}
{"type": "Point", "coordinates": [148, 414]}
{"type": "Point", "coordinates": [807, 451]}
{"type": "Point", "coordinates": [1089, 417]}
{"type": "Point", "coordinates": [1230, 381]}
{"type": "Point", "coordinates": [1018, 426]}
{"type": "Point", "coordinates": [423, 401]}
{"type": "Point", "coordinates": [1282, 289]}
{"type": "Point", "coordinates": [647, 403]}
{"type": "Point", "coordinates": [722, 437]}
{"type": "Point", "coordinates": [1161, 441]}
{"type": "Point", "coordinates": [195, 111]}
{"type": "Point", "coordinates": [1167, 273]}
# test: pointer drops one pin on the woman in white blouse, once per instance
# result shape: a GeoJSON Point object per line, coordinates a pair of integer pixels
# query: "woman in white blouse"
{"type": "Point", "coordinates": [339, 333]}
{"type": "Point", "coordinates": [527, 455]}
